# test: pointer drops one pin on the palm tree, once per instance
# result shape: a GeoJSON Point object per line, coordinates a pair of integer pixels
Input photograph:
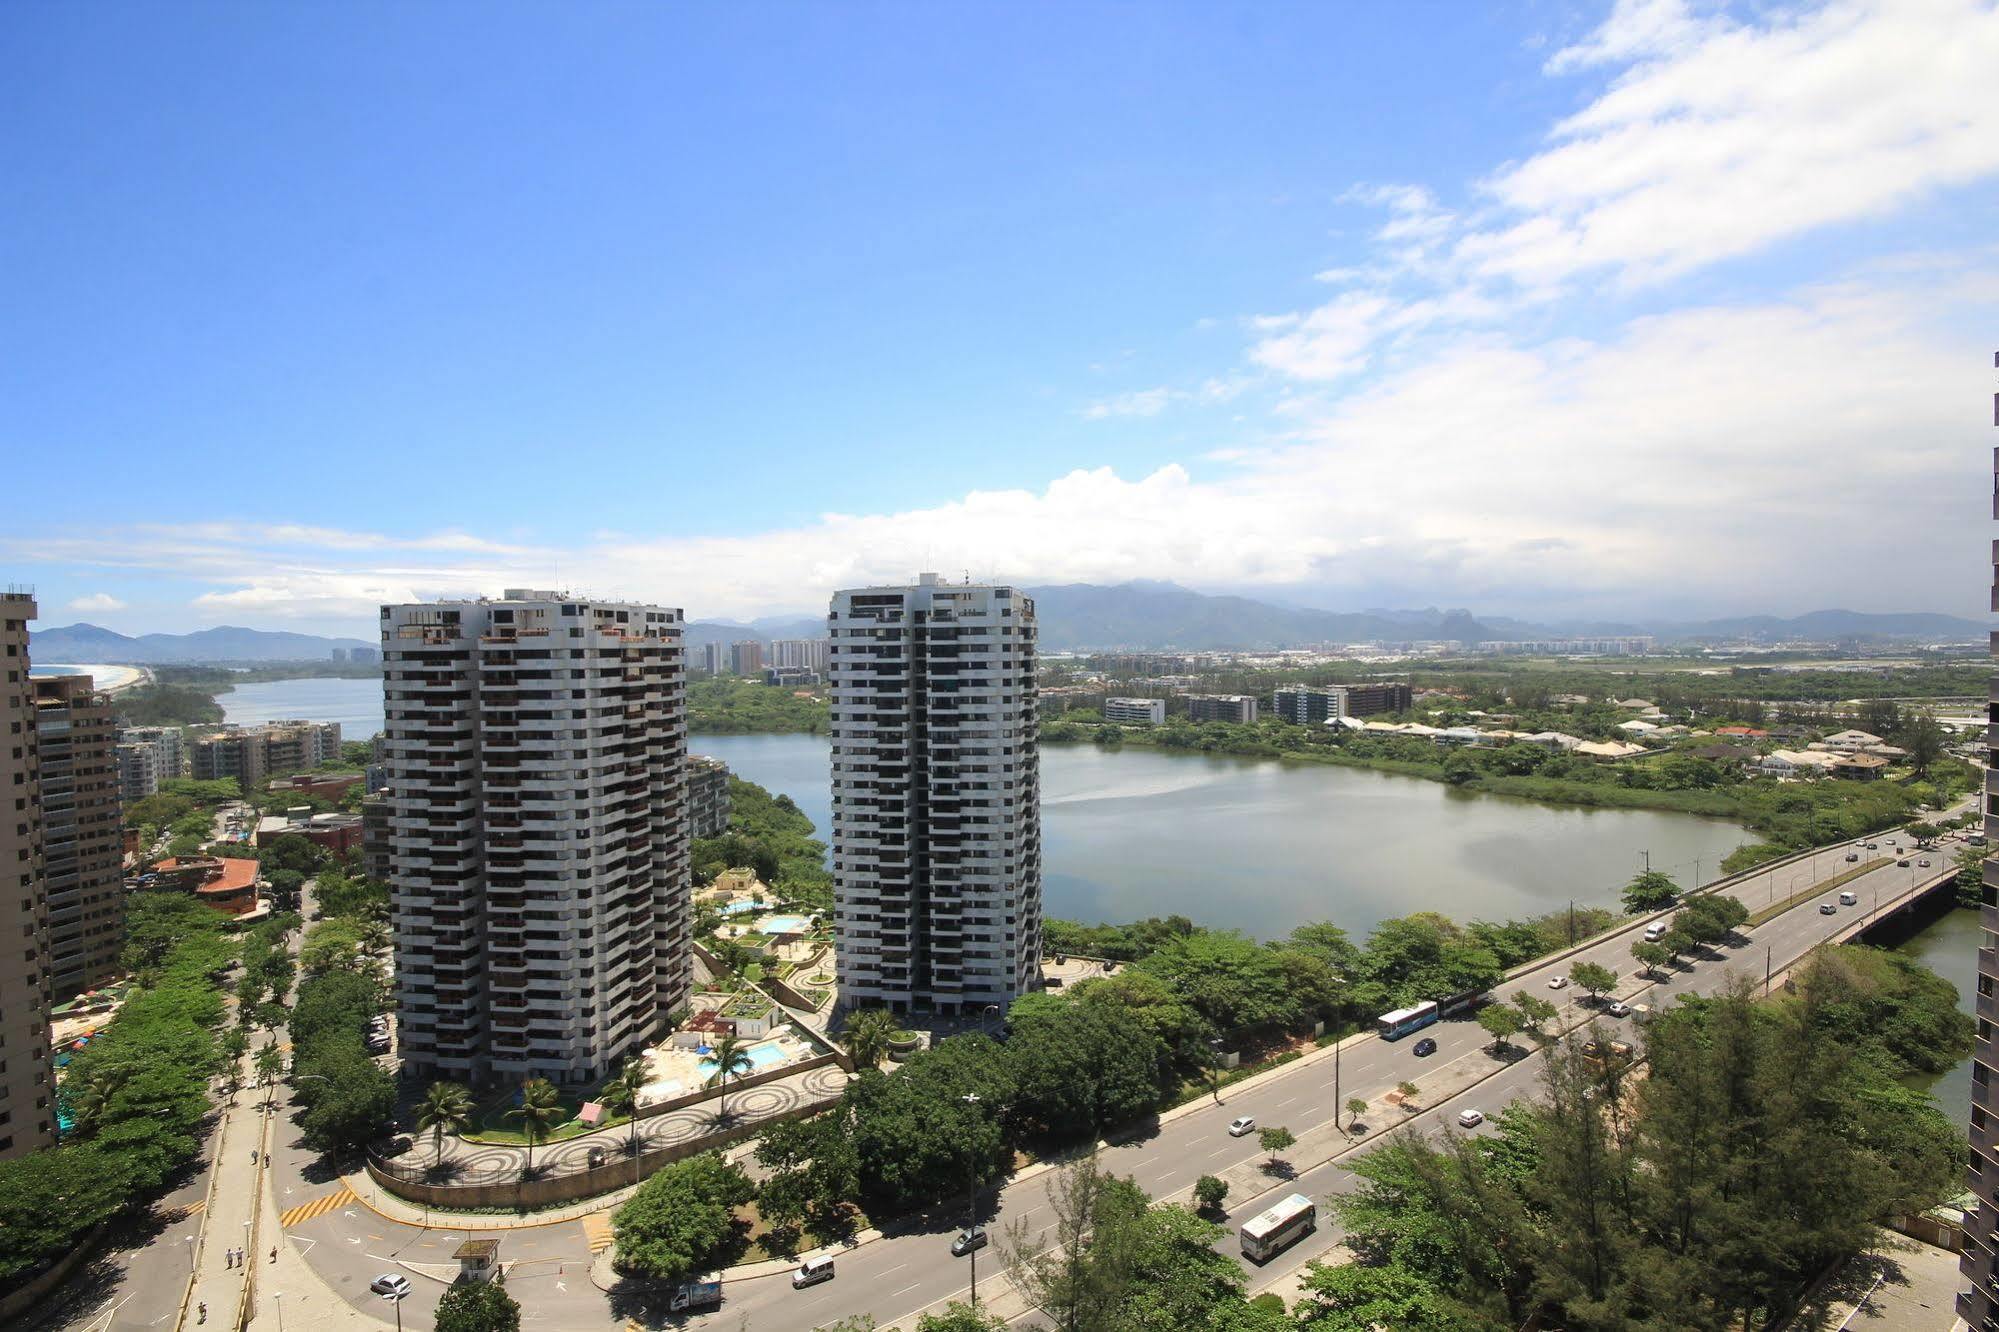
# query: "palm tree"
{"type": "Point", "coordinates": [540, 1107]}
{"type": "Point", "coordinates": [867, 1036]}
{"type": "Point", "coordinates": [446, 1108]}
{"type": "Point", "coordinates": [621, 1096]}
{"type": "Point", "coordinates": [732, 1060]}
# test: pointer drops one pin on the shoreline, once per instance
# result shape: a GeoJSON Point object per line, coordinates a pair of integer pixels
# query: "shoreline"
{"type": "Point", "coordinates": [105, 677]}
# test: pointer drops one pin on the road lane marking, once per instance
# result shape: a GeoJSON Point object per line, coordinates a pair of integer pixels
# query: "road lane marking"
{"type": "Point", "coordinates": [906, 1289]}
{"type": "Point", "coordinates": [317, 1207]}
{"type": "Point", "coordinates": [897, 1268]}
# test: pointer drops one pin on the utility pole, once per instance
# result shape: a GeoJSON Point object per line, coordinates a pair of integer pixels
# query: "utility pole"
{"type": "Point", "coordinates": [1647, 853]}
{"type": "Point", "coordinates": [1766, 971]}
{"type": "Point", "coordinates": [1572, 922]}
{"type": "Point", "coordinates": [1337, 1102]}
{"type": "Point", "coordinates": [971, 1204]}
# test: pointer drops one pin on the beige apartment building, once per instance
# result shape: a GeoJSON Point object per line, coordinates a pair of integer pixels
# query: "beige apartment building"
{"type": "Point", "coordinates": [82, 843]}
{"type": "Point", "coordinates": [250, 754]}
{"type": "Point", "coordinates": [27, 1074]}
{"type": "Point", "coordinates": [537, 832]}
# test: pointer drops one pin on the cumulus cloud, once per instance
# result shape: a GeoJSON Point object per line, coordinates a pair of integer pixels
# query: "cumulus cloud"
{"type": "Point", "coordinates": [97, 601]}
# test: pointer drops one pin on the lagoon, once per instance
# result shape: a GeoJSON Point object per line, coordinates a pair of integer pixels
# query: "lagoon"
{"type": "Point", "coordinates": [1264, 845]}
{"type": "Point", "coordinates": [1258, 844]}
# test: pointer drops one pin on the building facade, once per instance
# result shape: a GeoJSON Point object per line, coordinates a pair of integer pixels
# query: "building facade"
{"type": "Point", "coordinates": [746, 658]}
{"type": "Point", "coordinates": [1979, 1306]}
{"type": "Point", "coordinates": [250, 754]}
{"type": "Point", "coordinates": [707, 796]}
{"type": "Point", "coordinates": [936, 795]}
{"type": "Point", "coordinates": [1305, 705]}
{"type": "Point", "coordinates": [1147, 710]}
{"type": "Point", "coordinates": [27, 1073]}
{"type": "Point", "coordinates": [537, 832]}
{"type": "Point", "coordinates": [156, 754]}
{"type": "Point", "coordinates": [798, 654]}
{"type": "Point", "coordinates": [711, 658]}
{"type": "Point", "coordinates": [83, 848]}
{"type": "Point", "coordinates": [1373, 700]}
{"type": "Point", "coordinates": [1240, 708]}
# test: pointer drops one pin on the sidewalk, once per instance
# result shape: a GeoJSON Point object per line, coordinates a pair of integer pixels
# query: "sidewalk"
{"type": "Point", "coordinates": [226, 1223]}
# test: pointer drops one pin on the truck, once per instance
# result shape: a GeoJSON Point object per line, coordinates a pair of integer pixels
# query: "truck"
{"type": "Point", "coordinates": [695, 1295]}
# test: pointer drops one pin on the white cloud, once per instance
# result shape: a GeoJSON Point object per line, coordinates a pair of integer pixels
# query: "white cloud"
{"type": "Point", "coordinates": [1724, 137]}
{"type": "Point", "coordinates": [1143, 402]}
{"type": "Point", "coordinates": [1722, 457]}
{"type": "Point", "coordinates": [97, 601]}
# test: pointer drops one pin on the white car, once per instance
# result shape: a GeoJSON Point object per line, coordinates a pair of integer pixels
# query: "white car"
{"type": "Point", "coordinates": [1828, 909]}
{"type": "Point", "coordinates": [1559, 983]}
{"type": "Point", "coordinates": [1471, 1118]}
{"type": "Point", "coordinates": [1618, 1008]}
{"type": "Point", "coordinates": [1241, 1126]}
{"type": "Point", "coordinates": [390, 1285]}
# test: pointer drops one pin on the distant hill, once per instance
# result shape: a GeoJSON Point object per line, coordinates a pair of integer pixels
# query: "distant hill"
{"type": "Point", "coordinates": [85, 643]}
{"type": "Point", "coordinates": [1833, 625]}
{"type": "Point", "coordinates": [1166, 615]}
{"type": "Point", "coordinates": [697, 632]}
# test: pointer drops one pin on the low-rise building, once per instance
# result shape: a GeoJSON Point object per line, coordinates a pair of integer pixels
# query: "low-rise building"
{"type": "Point", "coordinates": [1305, 705]}
{"type": "Point", "coordinates": [788, 677]}
{"type": "Point", "coordinates": [1609, 750]}
{"type": "Point", "coordinates": [1849, 742]}
{"type": "Point", "coordinates": [1148, 710]}
{"type": "Point", "coordinates": [338, 833]}
{"type": "Point", "coordinates": [1796, 762]}
{"type": "Point", "coordinates": [1238, 708]}
{"type": "Point", "coordinates": [249, 754]}
{"type": "Point", "coordinates": [1859, 767]}
{"type": "Point", "coordinates": [1372, 700]}
{"type": "Point", "coordinates": [330, 787]}
{"type": "Point", "coordinates": [1635, 727]}
{"type": "Point", "coordinates": [1553, 741]}
{"type": "Point", "coordinates": [223, 884]}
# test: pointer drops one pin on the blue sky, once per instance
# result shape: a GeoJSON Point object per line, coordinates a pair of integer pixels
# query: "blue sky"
{"type": "Point", "coordinates": [1546, 309]}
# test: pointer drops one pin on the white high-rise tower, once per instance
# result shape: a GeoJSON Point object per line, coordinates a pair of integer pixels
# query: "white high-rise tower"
{"type": "Point", "coordinates": [936, 795]}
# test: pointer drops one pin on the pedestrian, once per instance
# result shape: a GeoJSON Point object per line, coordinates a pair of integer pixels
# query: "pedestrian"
{"type": "Point", "coordinates": [253, 1156]}
{"type": "Point", "coordinates": [274, 1253]}
{"type": "Point", "coordinates": [203, 1307]}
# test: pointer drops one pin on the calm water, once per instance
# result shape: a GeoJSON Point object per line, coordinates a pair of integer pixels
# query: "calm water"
{"type": "Point", "coordinates": [1264, 845]}
{"type": "Point", "coordinates": [1254, 843]}
{"type": "Point", "coordinates": [1949, 946]}
{"type": "Point", "coordinates": [355, 704]}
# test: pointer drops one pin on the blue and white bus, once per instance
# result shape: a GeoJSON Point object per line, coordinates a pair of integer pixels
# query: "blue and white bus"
{"type": "Point", "coordinates": [1394, 1026]}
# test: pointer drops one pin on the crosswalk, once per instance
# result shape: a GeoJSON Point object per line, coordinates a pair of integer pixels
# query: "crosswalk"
{"type": "Point", "coordinates": [597, 1229]}
{"type": "Point", "coordinates": [304, 1212]}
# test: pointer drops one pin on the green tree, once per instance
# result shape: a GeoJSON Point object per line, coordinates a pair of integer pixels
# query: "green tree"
{"type": "Point", "coordinates": [681, 1218]}
{"type": "Point", "coordinates": [731, 1058]}
{"type": "Point", "coordinates": [867, 1035]}
{"type": "Point", "coordinates": [1926, 741]}
{"type": "Point", "coordinates": [1593, 979]}
{"type": "Point", "coordinates": [1354, 1298]}
{"type": "Point", "coordinates": [1274, 1140]}
{"type": "Point", "coordinates": [1501, 1022]}
{"type": "Point", "coordinates": [51, 1199]}
{"type": "Point", "coordinates": [959, 1317]}
{"type": "Point", "coordinates": [1652, 956]}
{"type": "Point", "coordinates": [1534, 1012]}
{"type": "Point", "coordinates": [1209, 1192]}
{"type": "Point", "coordinates": [1649, 891]}
{"type": "Point", "coordinates": [350, 1099]}
{"type": "Point", "coordinates": [539, 1111]}
{"type": "Point", "coordinates": [446, 1108]}
{"type": "Point", "coordinates": [1356, 1107]}
{"type": "Point", "coordinates": [478, 1306]}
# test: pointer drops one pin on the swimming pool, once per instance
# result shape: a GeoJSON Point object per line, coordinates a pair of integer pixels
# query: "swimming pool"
{"type": "Point", "coordinates": [785, 925]}
{"type": "Point", "coordinates": [763, 1055]}
{"type": "Point", "coordinates": [738, 908]}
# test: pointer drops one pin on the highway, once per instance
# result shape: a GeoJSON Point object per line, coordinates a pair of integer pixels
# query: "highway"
{"type": "Point", "coordinates": [897, 1277]}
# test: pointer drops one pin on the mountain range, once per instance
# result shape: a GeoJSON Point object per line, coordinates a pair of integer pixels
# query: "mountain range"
{"type": "Point", "coordinates": [1136, 615]}
{"type": "Point", "coordinates": [85, 643]}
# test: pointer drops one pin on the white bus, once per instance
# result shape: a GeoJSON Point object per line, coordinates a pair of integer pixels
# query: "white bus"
{"type": "Point", "coordinates": [1394, 1026]}
{"type": "Point", "coordinates": [1266, 1235]}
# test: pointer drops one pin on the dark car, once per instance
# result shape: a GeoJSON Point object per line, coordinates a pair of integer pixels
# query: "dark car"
{"type": "Point", "coordinates": [1426, 1046]}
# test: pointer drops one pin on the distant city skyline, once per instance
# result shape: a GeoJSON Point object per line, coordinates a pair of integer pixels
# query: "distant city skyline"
{"type": "Point", "coordinates": [1605, 310]}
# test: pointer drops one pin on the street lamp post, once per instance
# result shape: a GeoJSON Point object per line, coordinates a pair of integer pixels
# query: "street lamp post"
{"type": "Point", "coordinates": [1215, 1068]}
{"type": "Point", "coordinates": [397, 1300]}
{"type": "Point", "coordinates": [971, 1204]}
